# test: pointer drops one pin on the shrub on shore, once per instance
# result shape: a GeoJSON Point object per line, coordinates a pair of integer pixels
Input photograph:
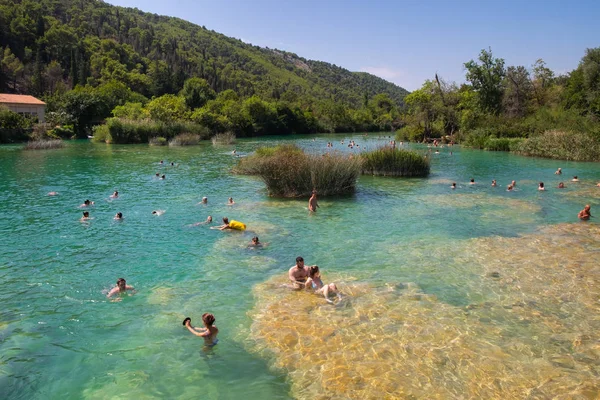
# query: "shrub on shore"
{"type": "Point", "coordinates": [44, 144]}
{"type": "Point", "coordinates": [185, 139]}
{"type": "Point", "coordinates": [502, 144]}
{"type": "Point", "coordinates": [289, 172]}
{"type": "Point", "coordinates": [224, 138]}
{"type": "Point", "coordinates": [561, 145]}
{"type": "Point", "coordinates": [388, 161]}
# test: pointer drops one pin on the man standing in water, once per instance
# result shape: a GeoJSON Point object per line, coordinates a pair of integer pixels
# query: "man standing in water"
{"type": "Point", "coordinates": [298, 274]}
{"type": "Point", "coordinates": [312, 202]}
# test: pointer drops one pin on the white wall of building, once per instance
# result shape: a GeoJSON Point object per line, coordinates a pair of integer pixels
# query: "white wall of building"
{"type": "Point", "coordinates": [30, 109]}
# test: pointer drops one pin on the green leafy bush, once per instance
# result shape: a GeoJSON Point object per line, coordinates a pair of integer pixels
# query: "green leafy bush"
{"type": "Point", "coordinates": [502, 144]}
{"type": "Point", "coordinates": [62, 132]}
{"type": "Point", "coordinates": [101, 134]}
{"type": "Point", "coordinates": [410, 133]}
{"type": "Point", "coordinates": [388, 161]}
{"type": "Point", "coordinates": [13, 127]}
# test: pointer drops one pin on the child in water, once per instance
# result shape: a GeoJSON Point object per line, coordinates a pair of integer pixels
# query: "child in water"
{"type": "Point", "coordinates": [209, 332]}
{"type": "Point", "coordinates": [314, 281]}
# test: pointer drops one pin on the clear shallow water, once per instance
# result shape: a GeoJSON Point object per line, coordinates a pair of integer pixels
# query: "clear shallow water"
{"type": "Point", "coordinates": [476, 291]}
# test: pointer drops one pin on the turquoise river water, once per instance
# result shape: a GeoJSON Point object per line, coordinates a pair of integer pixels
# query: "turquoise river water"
{"type": "Point", "coordinates": [469, 293]}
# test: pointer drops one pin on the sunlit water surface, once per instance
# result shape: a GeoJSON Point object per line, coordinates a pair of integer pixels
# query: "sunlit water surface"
{"type": "Point", "coordinates": [471, 293]}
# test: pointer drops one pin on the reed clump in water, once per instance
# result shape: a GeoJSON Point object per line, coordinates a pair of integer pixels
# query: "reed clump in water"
{"type": "Point", "coordinates": [45, 144]}
{"type": "Point", "coordinates": [223, 138]}
{"type": "Point", "coordinates": [185, 139]}
{"type": "Point", "coordinates": [158, 141]}
{"type": "Point", "coordinates": [289, 172]}
{"type": "Point", "coordinates": [389, 161]}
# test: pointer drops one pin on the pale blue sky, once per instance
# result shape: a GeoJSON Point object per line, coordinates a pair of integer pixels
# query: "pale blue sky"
{"type": "Point", "coordinates": [403, 41]}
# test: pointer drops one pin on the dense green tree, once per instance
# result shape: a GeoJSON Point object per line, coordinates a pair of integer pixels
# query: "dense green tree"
{"type": "Point", "coordinates": [167, 108]}
{"type": "Point", "coordinates": [12, 68]}
{"type": "Point", "coordinates": [487, 77]}
{"type": "Point", "coordinates": [518, 91]}
{"type": "Point", "coordinates": [196, 93]}
{"type": "Point", "coordinates": [542, 82]}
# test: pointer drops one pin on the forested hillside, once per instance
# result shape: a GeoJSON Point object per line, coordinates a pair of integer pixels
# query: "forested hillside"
{"type": "Point", "coordinates": [49, 47]}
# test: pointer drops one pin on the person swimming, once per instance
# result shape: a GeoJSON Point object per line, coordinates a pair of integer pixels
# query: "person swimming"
{"type": "Point", "coordinates": [510, 188]}
{"type": "Point", "coordinates": [585, 214]}
{"type": "Point", "coordinates": [453, 185]}
{"type": "Point", "coordinates": [204, 200]}
{"type": "Point", "coordinates": [232, 225]}
{"type": "Point", "coordinates": [314, 281]}
{"type": "Point", "coordinates": [494, 183]}
{"type": "Point", "coordinates": [561, 185]}
{"type": "Point", "coordinates": [119, 216]}
{"type": "Point", "coordinates": [158, 213]}
{"type": "Point", "coordinates": [114, 195]}
{"type": "Point", "coordinates": [541, 186]}
{"type": "Point", "coordinates": [558, 172]}
{"type": "Point", "coordinates": [86, 216]}
{"type": "Point", "coordinates": [87, 203]}
{"type": "Point", "coordinates": [162, 177]}
{"type": "Point", "coordinates": [255, 242]}
{"type": "Point", "coordinates": [208, 221]}
{"type": "Point", "coordinates": [208, 333]}
{"type": "Point", "coordinates": [472, 182]}
{"type": "Point", "coordinates": [121, 287]}
{"type": "Point", "coordinates": [575, 179]}
{"type": "Point", "coordinates": [53, 194]}
{"type": "Point", "coordinates": [230, 201]}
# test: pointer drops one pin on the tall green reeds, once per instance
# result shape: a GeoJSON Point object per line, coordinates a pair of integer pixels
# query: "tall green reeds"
{"type": "Point", "coordinates": [502, 144]}
{"type": "Point", "coordinates": [388, 161]}
{"type": "Point", "coordinates": [289, 172]}
{"type": "Point", "coordinates": [562, 145]}
{"type": "Point", "coordinates": [124, 131]}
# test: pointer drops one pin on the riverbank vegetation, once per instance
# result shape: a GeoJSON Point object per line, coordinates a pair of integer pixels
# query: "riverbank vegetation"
{"type": "Point", "coordinates": [389, 161]}
{"type": "Point", "coordinates": [530, 111]}
{"type": "Point", "coordinates": [289, 172]}
{"type": "Point", "coordinates": [92, 62]}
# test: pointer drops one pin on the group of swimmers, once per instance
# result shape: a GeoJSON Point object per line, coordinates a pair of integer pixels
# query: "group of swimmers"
{"type": "Point", "coordinates": [583, 214]}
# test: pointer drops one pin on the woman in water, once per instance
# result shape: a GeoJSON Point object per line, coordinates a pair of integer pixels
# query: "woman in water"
{"type": "Point", "coordinates": [314, 281]}
{"type": "Point", "coordinates": [209, 332]}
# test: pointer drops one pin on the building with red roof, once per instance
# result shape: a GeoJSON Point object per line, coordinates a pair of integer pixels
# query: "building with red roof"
{"type": "Point", "coordinates": [24, 105]}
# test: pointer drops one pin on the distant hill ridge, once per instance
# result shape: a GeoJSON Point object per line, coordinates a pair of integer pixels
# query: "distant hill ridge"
{"type": "Point", "coordinates": [93, 42]}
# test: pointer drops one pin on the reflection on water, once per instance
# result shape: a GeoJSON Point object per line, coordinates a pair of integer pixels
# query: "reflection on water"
{"type": "Point", "coordinates": [536, 334]}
